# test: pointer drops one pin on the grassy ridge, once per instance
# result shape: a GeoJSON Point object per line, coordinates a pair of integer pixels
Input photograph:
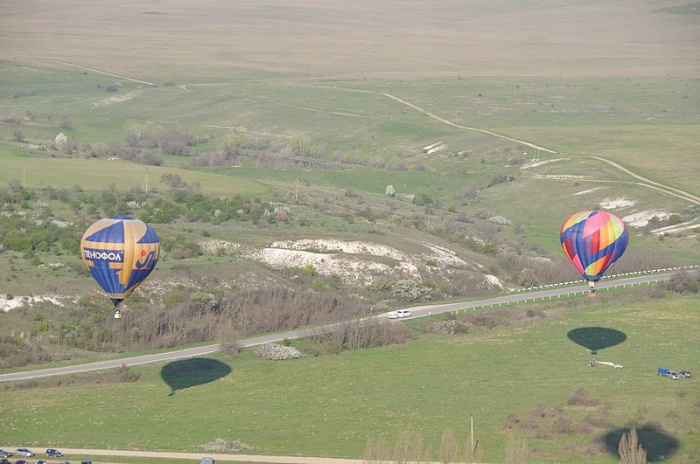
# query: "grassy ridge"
{"type": "Point", "coordinates": [328, 406]}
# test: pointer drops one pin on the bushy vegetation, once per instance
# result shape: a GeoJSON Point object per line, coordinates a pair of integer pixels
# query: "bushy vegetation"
{"type": "Point", "coordinates": [16, 352]}
{"type": "Point", "coordinates": [275, 352]}
{"type": "Point", "coordinates": [42, 227]}
{"type": "Point", "coordinates": [684, 282]}
{"type": "Point", "coordinates": [355, 335]}
{"type": "Point", "coordinates": [120, 374]}
{"type": "Point", "coordinates": [221, 445]}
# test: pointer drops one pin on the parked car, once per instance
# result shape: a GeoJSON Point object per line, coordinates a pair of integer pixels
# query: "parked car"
{"type": "Point", "coordinates": [399, 314]}
{"type": "Point", "coordinates": [54, 453]}
{"type": "Point", "coordinates": [24, 452]}
{"type": "Point", "coordinates": [85, 462]}
{"type": "Point", "coordinates": [685, 374]}
{"type": "Point", "coordinates": [21, 461]}
{"type": "Point", "coordinates": [5, 461]}
{"type": "Point", "coordinates": [64, 462]}
{"type": "Point", "coordinates": [672, 375]}
{"type": "Point", "coordinates": [5, 454]}
{"type": "Point", "coordinates": [41, 461]}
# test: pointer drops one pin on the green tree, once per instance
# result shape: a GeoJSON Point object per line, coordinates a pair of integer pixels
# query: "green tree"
{"type": "Point", "coordinates": [407, 289]}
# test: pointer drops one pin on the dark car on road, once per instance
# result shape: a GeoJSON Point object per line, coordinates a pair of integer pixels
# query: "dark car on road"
{"type": "Point", "coordinates": [54, 452]}
{"type": "Point", "coordinates": [5, 454]}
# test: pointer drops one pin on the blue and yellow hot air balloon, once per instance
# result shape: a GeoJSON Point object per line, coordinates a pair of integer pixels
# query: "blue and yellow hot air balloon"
{"type": "Point", "coordinates": [120, 252]}
{"type": "Point", "coordinates": [593, 241]}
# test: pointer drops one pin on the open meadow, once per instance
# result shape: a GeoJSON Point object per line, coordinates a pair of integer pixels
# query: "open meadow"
{"type": "Point", "coordinates": [316, 154]}
{"type": "Point", "coordinates": [526, 377]}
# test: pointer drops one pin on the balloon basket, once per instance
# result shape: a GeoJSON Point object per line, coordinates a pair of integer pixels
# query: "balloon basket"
{"type": "Point", "coordinates": [117, 314]}
{"type": "Point", "coordinates": [591, 288]}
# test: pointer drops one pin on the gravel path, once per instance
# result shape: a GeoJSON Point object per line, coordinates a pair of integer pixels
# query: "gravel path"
{"type": "Point", "coordinates": [195, 457]}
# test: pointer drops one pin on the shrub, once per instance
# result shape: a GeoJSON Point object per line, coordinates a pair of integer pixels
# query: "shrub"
{"type": "Point", "coordinates": [310, 270]}
{"type": "Point", "coordinates": [684, 282]}
{"type": "Point", "coordinates": [356, 336]}
{"type": "Point", "coordinates": [423, 199]}
{"type": "Point", "coordinates": [581, 397]}
{"type": "Point", "coordinates": [274, 352]}
{"type": "Point", "coordinates": [448, 327]}
{"type": "Point", "coordinates": [407, 289]}
{"type": "Point", "coordinates": [221, 446]}
{"type": "Point", "coordinates": [230, 349]}
{"type": "Point", "coordinates": [563, 426]}
{"type": "Point", "coordinates": [125, 375]}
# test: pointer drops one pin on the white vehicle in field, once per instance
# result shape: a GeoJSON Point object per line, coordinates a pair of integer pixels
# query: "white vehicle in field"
{"type": "Point", "coordinates": [399, 314]}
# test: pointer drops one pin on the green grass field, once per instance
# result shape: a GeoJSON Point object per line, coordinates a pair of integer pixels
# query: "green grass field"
{"type": "Point", "coordinates": [521, 376]}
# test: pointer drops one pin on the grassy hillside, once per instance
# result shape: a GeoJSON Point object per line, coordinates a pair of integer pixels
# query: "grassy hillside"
{"type": "Point", "coordinates": [527, 377]}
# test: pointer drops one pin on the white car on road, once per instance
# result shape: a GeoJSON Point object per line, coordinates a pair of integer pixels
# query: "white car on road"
{"type": "Point", "coordinates": [399, 314]}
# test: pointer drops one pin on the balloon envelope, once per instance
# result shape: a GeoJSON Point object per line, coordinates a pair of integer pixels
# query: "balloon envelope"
{"type": "Point", "coordinates": [119, 252]}
{"type": "Point", "coordinates": [593, 241]}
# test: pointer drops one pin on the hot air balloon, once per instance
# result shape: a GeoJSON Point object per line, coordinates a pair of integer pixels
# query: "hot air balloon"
{"type": "Point", "coordinates": [120, 252]}
{"type": "Point", "coordinates": [593, 241]}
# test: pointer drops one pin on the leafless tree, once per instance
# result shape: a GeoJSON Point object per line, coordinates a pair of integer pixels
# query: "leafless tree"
{"type": "Point", "coordinates": [516, 451]}
{"type": "Point", "coordinates": [376, 451]}
{"type": "Point", "coordinates": [448, 447]}
{"type": "Point", "coordinates": [630, 451]}
{"type": "Point", "coordinates": [409, 448]}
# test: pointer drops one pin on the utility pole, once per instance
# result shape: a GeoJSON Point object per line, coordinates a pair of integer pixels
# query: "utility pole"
{"type": "Point", "coordinates": [471, 452]}
{"type": "Point", "coordinates": [295, 189]}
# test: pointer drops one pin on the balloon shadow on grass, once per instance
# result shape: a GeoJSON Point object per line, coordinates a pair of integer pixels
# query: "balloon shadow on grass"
{"type": "Point", "coordinates": [596, 338]}
{"type": "Point", "coordinates": [659, 445]}
{"type": "Point", "coordinates": [188, 373]}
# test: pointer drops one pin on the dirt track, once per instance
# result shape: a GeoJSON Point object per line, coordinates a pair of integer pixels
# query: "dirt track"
{"type": "Point", "coordinates": [644, 181]}
{"type": "Point", "coordinates": [195, 457]}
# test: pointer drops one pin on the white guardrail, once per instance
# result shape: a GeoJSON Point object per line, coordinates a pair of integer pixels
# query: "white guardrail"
{"type": "Point", "coordinates": [605, 277]}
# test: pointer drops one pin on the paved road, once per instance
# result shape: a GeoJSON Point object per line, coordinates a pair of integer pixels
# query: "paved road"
{"type": "Point", "coordinates": [420, 311]}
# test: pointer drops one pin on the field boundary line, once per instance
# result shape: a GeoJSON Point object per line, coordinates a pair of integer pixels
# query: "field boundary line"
{"type": "Point", "coordinates": [103, 72]}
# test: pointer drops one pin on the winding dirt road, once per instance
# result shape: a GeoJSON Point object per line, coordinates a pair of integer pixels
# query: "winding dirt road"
{"type": "Point", "coordinates": [644, 181]}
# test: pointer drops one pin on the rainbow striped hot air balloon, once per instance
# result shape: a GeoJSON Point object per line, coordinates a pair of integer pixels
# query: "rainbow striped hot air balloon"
{"type": "Point", "coordinates": [119, 252]}
{"type": "Point", "coordinates": [593, 241]}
